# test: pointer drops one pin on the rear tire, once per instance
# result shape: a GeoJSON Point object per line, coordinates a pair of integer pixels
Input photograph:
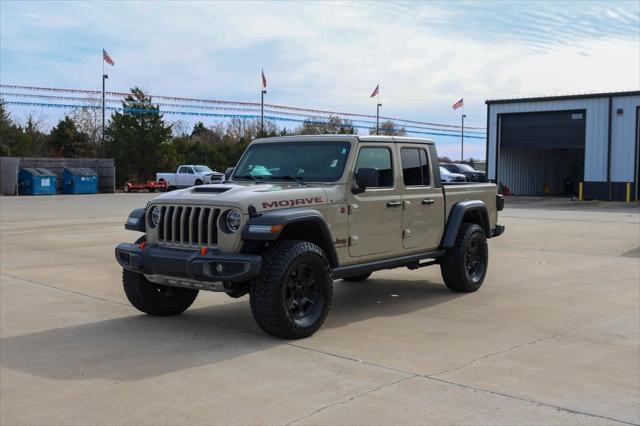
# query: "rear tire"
{"type": "Point", "coordinates": [357, 278]}
{"type": "Point", "coordinates": [168, 187]}
{"type": "Point", "coordinates": [126, 188]}
{"type": "Point", "coordinates": [155, 299]}
{"type": "Point", "coordinates": [465, 265]}
{"type": "Point", "coordinates": [291, 296]}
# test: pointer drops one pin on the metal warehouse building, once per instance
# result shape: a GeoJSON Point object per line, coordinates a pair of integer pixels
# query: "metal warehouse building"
{"type": "Point", "coordinates": [548, 145]}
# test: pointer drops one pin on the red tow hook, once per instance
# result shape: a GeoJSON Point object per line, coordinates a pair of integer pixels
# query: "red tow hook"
{"type": "Point", "coordinates": [143, 245]}
{"type": "Point", "coordinates": [203, 251]}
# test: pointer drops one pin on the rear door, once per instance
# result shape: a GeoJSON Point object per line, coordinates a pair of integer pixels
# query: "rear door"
{"type": "Point", "coordinates": [423, 200]}
{"type": "Point", "coordinates": [375, 216]}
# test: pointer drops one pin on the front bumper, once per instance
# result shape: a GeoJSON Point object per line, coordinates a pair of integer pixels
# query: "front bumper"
{"type": "Point", "coordinates": [213, 266]}
{"type": "Point", "coordinates": [210, 179]}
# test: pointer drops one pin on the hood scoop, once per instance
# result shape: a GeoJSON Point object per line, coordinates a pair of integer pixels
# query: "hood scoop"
{"type": "Point", "coordinates": [211, 189]}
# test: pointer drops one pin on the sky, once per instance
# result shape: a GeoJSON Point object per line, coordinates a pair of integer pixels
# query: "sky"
{"type": "Point", "coordinates": [327, 55]}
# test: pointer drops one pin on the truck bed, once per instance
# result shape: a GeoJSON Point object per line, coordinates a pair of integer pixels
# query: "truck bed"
{"type": "Point", "coordinates": [169, 177]}
{"type": "Point", "coordinates": [486, 192]}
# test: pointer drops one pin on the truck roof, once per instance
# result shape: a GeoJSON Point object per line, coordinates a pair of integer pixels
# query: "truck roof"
{"type": "Point", "coordinates": [357, 138]}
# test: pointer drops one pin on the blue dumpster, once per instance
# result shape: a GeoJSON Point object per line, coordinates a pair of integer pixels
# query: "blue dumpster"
{"type": "Point", "coordinates": [36, 181]}
{"type": "Point", "coordinates": [79, 180]}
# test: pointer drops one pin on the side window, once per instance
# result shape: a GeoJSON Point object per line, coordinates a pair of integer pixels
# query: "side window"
{"type": "Point", "coordinates": [411, 171]}
{"type": "Point", "coordinates": [424, 164]}
{"type": "Point", "coordinates": [190, 170]}
{"type": "Point", "coordinates": [415, 167]}
{"type": "Point", "coordinates": [379, 159]}
{"type": "Point", "coordinates": [182, 170]}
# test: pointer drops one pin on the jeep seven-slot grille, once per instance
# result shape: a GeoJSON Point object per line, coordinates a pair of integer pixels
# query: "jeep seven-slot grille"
{"type": "Point", "coordinates": [189, 226]}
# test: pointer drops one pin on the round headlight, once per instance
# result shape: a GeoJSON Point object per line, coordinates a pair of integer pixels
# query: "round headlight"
{"type": "Point", "coordinates": [233, 220]}
{"type": "Point", "coordinates": [154, 217]}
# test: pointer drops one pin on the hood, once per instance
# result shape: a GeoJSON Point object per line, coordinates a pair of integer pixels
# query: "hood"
{"type": "Point", "coordinates": [263, 196]}
{"type": "Point", "coordinates": [445, 172]}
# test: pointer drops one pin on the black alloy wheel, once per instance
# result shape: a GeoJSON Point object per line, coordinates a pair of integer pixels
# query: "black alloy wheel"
{"type": "Point", "coordinates": [303, 299]}
{"type": "Point", "coordinates": [475, 260]}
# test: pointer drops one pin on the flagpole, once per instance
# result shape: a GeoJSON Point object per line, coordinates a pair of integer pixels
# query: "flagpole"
{"type": "Point", "coordinates": [104, 77]}
{"type": "Point", "coordinates": [378, 112]}
{"type": "Point", "coordinates": [462, 134]}
{"type": "Point", "coordinates": [262, 93]}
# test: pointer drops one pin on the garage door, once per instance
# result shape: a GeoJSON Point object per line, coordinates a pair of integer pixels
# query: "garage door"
{"type": "Point", "coordinates": [543, 130]}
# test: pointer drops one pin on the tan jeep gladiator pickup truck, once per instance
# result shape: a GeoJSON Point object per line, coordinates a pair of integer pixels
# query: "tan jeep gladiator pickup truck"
{"type": "Point", "coordinates": [297, 213]}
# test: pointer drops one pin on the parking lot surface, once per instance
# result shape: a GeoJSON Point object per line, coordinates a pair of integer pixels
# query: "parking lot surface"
{"type": "Point", "coordinates": [551, 338]}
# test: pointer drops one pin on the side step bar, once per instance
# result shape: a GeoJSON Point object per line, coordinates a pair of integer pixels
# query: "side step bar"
{"type": "Point", "coordinates": [396, 262]}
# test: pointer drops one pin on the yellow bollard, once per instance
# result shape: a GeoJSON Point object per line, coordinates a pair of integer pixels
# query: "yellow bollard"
{"type": "Point", "coordinates": [628, 192]}
{"type": "Point", "coordinates": [580, 189]}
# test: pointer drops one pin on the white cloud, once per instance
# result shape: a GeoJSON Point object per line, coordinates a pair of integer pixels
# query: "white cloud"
{"type": "Point", "coordinates": [327, 55]}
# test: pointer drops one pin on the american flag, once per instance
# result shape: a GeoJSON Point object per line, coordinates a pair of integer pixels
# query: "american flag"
{"type": "Point", "coordinates": [458, 104]}
{"type": "Point", "coordinates": [375, 91]}
{"type": "Point", "coordinates": [264, 80]}
{"type": "Point", "coordinates": [107, 58]}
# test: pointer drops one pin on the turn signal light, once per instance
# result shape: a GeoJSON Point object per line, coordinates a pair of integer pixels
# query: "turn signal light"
{"type": "Point", "coordinates": [266, 229]}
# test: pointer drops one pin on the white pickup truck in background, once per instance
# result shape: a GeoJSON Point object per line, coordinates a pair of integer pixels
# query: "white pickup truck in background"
{"type": "Point", "coordinates": [189, 175]}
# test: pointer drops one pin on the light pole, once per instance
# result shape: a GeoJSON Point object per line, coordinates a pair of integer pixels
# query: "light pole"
{"type": "Point", "coordinates": [378, 118]}
{"type": "Point", "coordinates": [462, 144]}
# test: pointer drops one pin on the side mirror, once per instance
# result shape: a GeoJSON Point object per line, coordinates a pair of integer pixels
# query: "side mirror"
{"type": "Point", "coordinates": [228, 172]}
{"type": "Point", "coordinates": [365, 178]}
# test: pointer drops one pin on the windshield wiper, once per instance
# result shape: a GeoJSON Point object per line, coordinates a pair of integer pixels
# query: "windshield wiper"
{"type": "Point", "coordinates": [255, 179]}
{"type": "Point", "coordinates": [289, 177]}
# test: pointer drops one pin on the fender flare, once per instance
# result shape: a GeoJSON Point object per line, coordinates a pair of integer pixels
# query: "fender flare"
{"type": "Point", "coordinates": [136, 220]}
{"type": "Point", "coordinates": [454, 222]}
{"type": "Point", "coordinates": [287, 217]}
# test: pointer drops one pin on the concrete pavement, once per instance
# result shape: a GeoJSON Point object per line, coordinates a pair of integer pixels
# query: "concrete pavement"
{"type": "Point", "coordinates": [553, 336]}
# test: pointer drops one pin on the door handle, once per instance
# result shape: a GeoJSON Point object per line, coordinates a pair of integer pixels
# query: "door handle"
{"type": "Point", "coordinates": [394, 204]}
{"type": "Point", "coordinates": [428, 201]}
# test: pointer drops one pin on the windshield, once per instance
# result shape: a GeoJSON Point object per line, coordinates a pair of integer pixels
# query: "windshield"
{"type": "Point", "coordinates": [202, 169]}
{"type": "Point", "coordinates": [301, 161]}
{"type": "Point", "coordinates": [444, 171]}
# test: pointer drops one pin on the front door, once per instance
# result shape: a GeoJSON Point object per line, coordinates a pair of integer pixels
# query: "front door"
{"type": "Point", "coordinates": [375, 215]}
{"type": "Point", "coordinates": [423, 216]}
{"type": "Point", "coordinates": [185, 176]}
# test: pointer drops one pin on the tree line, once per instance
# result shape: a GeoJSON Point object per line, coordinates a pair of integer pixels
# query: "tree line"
{"type": "Point", "coordinates": [142, 142]}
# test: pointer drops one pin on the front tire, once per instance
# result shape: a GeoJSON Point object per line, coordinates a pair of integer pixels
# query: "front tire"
{"type": "Point", "coordinates": [465, 265]}
{"type": "Point", "coordinates": [198, 182]}
{"type": "Point", "coordinates": [155, 299]}
{"type": "Point", "coordinates": [291, 296]}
